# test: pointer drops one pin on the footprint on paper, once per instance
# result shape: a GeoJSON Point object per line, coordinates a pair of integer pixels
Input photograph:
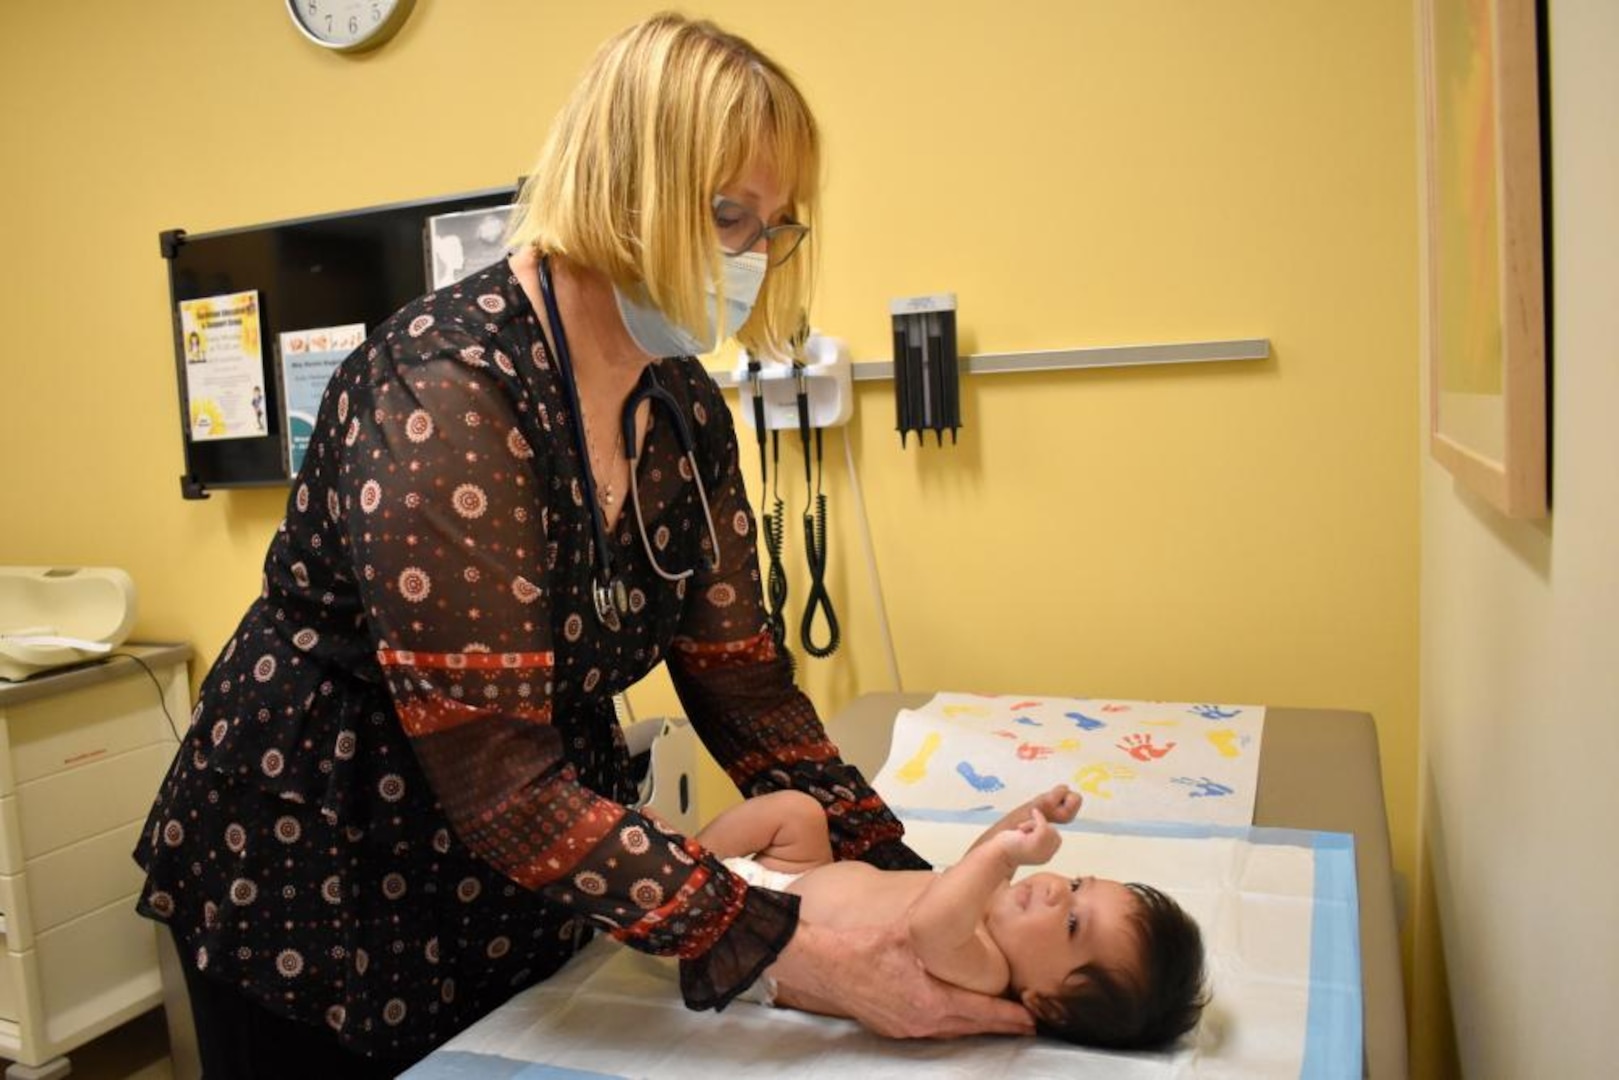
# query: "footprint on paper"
{"type": "Point", "coordinates": [1029, 721]}
{"type": "Point", "coordinates": [1225, 741]}
{"type": "Point", "coordinates": [915, 769]}
{"type": "Point", "coordinates": [1085, 723]}
{"type": "Point", "coordinates": [965, 710]}
{"type": "Point", "coordinates": [978, 781]}
{"type": "Point", "coordinates": [1093, 779]}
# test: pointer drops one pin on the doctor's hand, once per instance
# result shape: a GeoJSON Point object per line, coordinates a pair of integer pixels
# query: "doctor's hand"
{"type": "Point", "coordinates": [873, 976]}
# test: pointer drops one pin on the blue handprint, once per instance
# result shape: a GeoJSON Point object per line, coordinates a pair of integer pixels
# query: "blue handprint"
{"type": "Point", "coordinates": [1214, 712]}
{"type": "Point", "coordinates": [1203, 787]}
{"type": "Point", "coordinates": [979, 783]}
{"type": "Point", "coordinates": [1085, 723]}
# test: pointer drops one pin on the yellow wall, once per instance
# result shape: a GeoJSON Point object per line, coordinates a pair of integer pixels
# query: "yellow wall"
{"type": "Point", "coordinates": [1080, 173]}
{"type": "Point", "coordinates": [1520, 692]}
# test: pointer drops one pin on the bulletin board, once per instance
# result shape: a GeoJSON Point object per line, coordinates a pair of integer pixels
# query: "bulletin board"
{"type": "Point", "coordinates": [237, 294]}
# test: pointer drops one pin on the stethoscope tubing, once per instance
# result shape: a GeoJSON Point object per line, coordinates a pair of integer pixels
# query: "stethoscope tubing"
{"type": "Point", "coordinates": [609, 590]}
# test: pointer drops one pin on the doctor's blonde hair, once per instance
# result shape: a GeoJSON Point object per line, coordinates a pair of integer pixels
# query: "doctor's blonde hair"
{"type": "Point", "coordinates": [668, 112]}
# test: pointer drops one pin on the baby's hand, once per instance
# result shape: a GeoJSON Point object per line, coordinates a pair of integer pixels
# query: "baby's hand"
{"type": "Point", "coordinates": [1033, 842]}
{"type": "Point", "coordinates": [1060, 804]}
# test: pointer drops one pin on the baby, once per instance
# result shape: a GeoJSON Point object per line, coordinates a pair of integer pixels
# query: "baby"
{"type": "Point", "coordinates": [1096, 962]}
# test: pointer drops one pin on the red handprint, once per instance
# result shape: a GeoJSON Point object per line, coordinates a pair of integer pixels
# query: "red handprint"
{"type": "Point", "coordinates": [1033, 751]}
{"type": "Point", "coordinates": [1141, 747]}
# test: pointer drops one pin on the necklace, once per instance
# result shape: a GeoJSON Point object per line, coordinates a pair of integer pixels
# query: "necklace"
{"type": "Point", "coordinates": [604, 477]}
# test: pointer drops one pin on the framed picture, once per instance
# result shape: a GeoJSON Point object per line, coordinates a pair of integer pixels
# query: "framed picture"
{"type": "Point", "coordinates": [1484, 267]}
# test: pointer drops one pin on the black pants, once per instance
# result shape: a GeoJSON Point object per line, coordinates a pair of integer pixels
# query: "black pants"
{"type": "Point", "coordinates": [239, 1039]}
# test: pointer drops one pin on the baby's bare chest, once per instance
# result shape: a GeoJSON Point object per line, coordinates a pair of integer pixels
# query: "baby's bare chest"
{"type": "Point", "coordinates": [850, 894]}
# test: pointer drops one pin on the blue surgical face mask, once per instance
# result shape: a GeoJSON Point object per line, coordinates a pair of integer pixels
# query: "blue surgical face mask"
{"type": "Point", "coordinates": [657, 335]}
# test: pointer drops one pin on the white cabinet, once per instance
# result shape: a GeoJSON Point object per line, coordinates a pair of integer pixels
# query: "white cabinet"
{"type": "Point", "coordinates": [81, 755]}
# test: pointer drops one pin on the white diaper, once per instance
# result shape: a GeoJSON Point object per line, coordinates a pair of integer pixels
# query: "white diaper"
{"type": "Point", "coordinates": [754, 874]}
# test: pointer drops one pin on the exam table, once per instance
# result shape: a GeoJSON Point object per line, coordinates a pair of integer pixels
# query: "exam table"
{"type": "Point", "coordinates": [1318, 769]}
{"type": "Point", "coordinates": [615, 1013]}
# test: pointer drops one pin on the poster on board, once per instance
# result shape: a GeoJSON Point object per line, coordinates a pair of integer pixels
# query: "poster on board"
{"type": "Point", "coordinates": [308, 358]}
{"type": "Point", "coordinates": [224, 355]}
{"type": "Point", "coordinates": [462, 243]}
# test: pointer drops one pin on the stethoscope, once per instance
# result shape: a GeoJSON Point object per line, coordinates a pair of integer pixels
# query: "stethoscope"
{"type": "Point", "coordinates": [610, 594]}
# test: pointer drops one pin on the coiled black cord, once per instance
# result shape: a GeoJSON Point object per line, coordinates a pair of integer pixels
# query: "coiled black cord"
{"type": "Point", "coordinates": [815, 552]}
{"type": "Point", "coordinates": [775, 528]}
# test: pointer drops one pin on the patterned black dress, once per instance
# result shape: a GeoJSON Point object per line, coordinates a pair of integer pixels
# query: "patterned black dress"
{"type": "Point", "coordinates": [402, 795]}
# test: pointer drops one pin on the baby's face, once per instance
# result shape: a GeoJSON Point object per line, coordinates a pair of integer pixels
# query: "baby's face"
{"type": "Point", "coordinates": [1047, 925]}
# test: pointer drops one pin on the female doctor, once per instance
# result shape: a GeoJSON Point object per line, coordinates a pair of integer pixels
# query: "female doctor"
{"type": "Point", "coordinates": [403, 796]}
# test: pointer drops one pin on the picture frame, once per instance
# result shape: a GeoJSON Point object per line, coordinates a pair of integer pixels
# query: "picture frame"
{"type": "Point", "coordinates": [1483, 244]}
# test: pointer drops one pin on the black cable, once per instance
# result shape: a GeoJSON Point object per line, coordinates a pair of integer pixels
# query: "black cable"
{"type": "Point", "coordinates": [775, 526]}
{"type": "Point", "coordinates": [161, 699]}
{"type": "Point", "coordinates": [815, 552]}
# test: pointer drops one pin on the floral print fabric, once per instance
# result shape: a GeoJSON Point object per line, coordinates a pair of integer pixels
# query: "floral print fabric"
{"type": "Point", "coordinates": [402, 797]}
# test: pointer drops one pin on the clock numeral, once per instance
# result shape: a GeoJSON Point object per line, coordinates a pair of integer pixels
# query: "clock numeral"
{"type": "Point", "coordinates": [354, 25]}
{"type": "Point", "coordinates": [376, 14]}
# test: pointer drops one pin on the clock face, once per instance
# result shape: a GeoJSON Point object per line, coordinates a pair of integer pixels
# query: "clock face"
{"type": "Point", "coordinates": [348, 25]}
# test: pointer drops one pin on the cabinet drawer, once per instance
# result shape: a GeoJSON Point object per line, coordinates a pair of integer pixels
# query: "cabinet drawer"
{"type": "Point", "coordinates": [79, 980]}
{"type": "Point", "coordinates": [86, 801]}
{"type": "Point", "coordinates": [102, 963]}
{"type": "Point", "coordinates": [11, 985]}
{"type": "Point", "coordinates": [57, 734]}
{"type": "Point", "coordinates": [69, 882]}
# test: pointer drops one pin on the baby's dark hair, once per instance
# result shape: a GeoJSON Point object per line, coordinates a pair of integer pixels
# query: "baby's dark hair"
{"type": "Point", "coordinates": [1146, 1009]}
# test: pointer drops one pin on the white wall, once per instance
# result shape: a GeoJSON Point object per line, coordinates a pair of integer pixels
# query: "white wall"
{"type": "Point", "coordinates": [1520, 653]}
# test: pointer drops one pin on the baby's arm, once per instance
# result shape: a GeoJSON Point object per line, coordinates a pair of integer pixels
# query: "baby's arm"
{"type": "Point", "coordinates": [945, 921]}
{"type": "Point", "coordinates": [784, 830]}
{"type": "Point", "coordinates": [1060, 804]}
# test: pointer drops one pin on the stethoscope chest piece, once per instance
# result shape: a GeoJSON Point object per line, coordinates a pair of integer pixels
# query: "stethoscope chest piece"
{"type": "Point", "coordinates": [612, 599]}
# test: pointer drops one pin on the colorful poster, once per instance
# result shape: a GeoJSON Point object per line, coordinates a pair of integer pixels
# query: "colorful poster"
{"type": "Point", "coordinates": [224, 356]}
{"type": "Point", "coordinates": [308, 358]}
{"type": "Point", "coordinates": [1131, 760]}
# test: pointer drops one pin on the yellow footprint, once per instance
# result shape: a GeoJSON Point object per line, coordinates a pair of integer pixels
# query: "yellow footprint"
{"type": "Point", "coordinates": [966, 710]}
{"type": "Point", "coordinates": [1068, 744]}
{"type": "Point", "coordinates": [1225, 741]}
{"type": "Point", "coordinates": [915, 769]}
{"type": "Point", "coordinates": [1092, 778]}
{"type": "Point", "coordinates": [1160, 723]}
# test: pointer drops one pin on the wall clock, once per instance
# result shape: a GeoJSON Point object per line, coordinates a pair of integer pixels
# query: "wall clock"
{"type": "Point", "coordinates": [349, 25]}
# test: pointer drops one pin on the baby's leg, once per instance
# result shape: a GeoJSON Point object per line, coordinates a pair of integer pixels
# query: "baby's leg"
{"type": "Point", "coordinates": [784, 830]}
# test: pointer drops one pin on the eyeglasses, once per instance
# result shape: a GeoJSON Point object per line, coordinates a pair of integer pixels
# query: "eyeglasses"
{"type": "Point", "coordinates": [740, 230]}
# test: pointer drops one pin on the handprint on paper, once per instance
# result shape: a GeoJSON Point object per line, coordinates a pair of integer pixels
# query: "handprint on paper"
{"type": "Point", "coordinates": [1203, 787]}
{"type": "Point", "coordinates": [1093, 779]}
{"type": "Point", "coordinates": [1214, 712]}
{"type": "Point", "coordinates": [1033, 751]}
{"type": "Point", "coordinates": [1228, 742]}
{"type": "Point", "coordinates": [1142, 748]}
